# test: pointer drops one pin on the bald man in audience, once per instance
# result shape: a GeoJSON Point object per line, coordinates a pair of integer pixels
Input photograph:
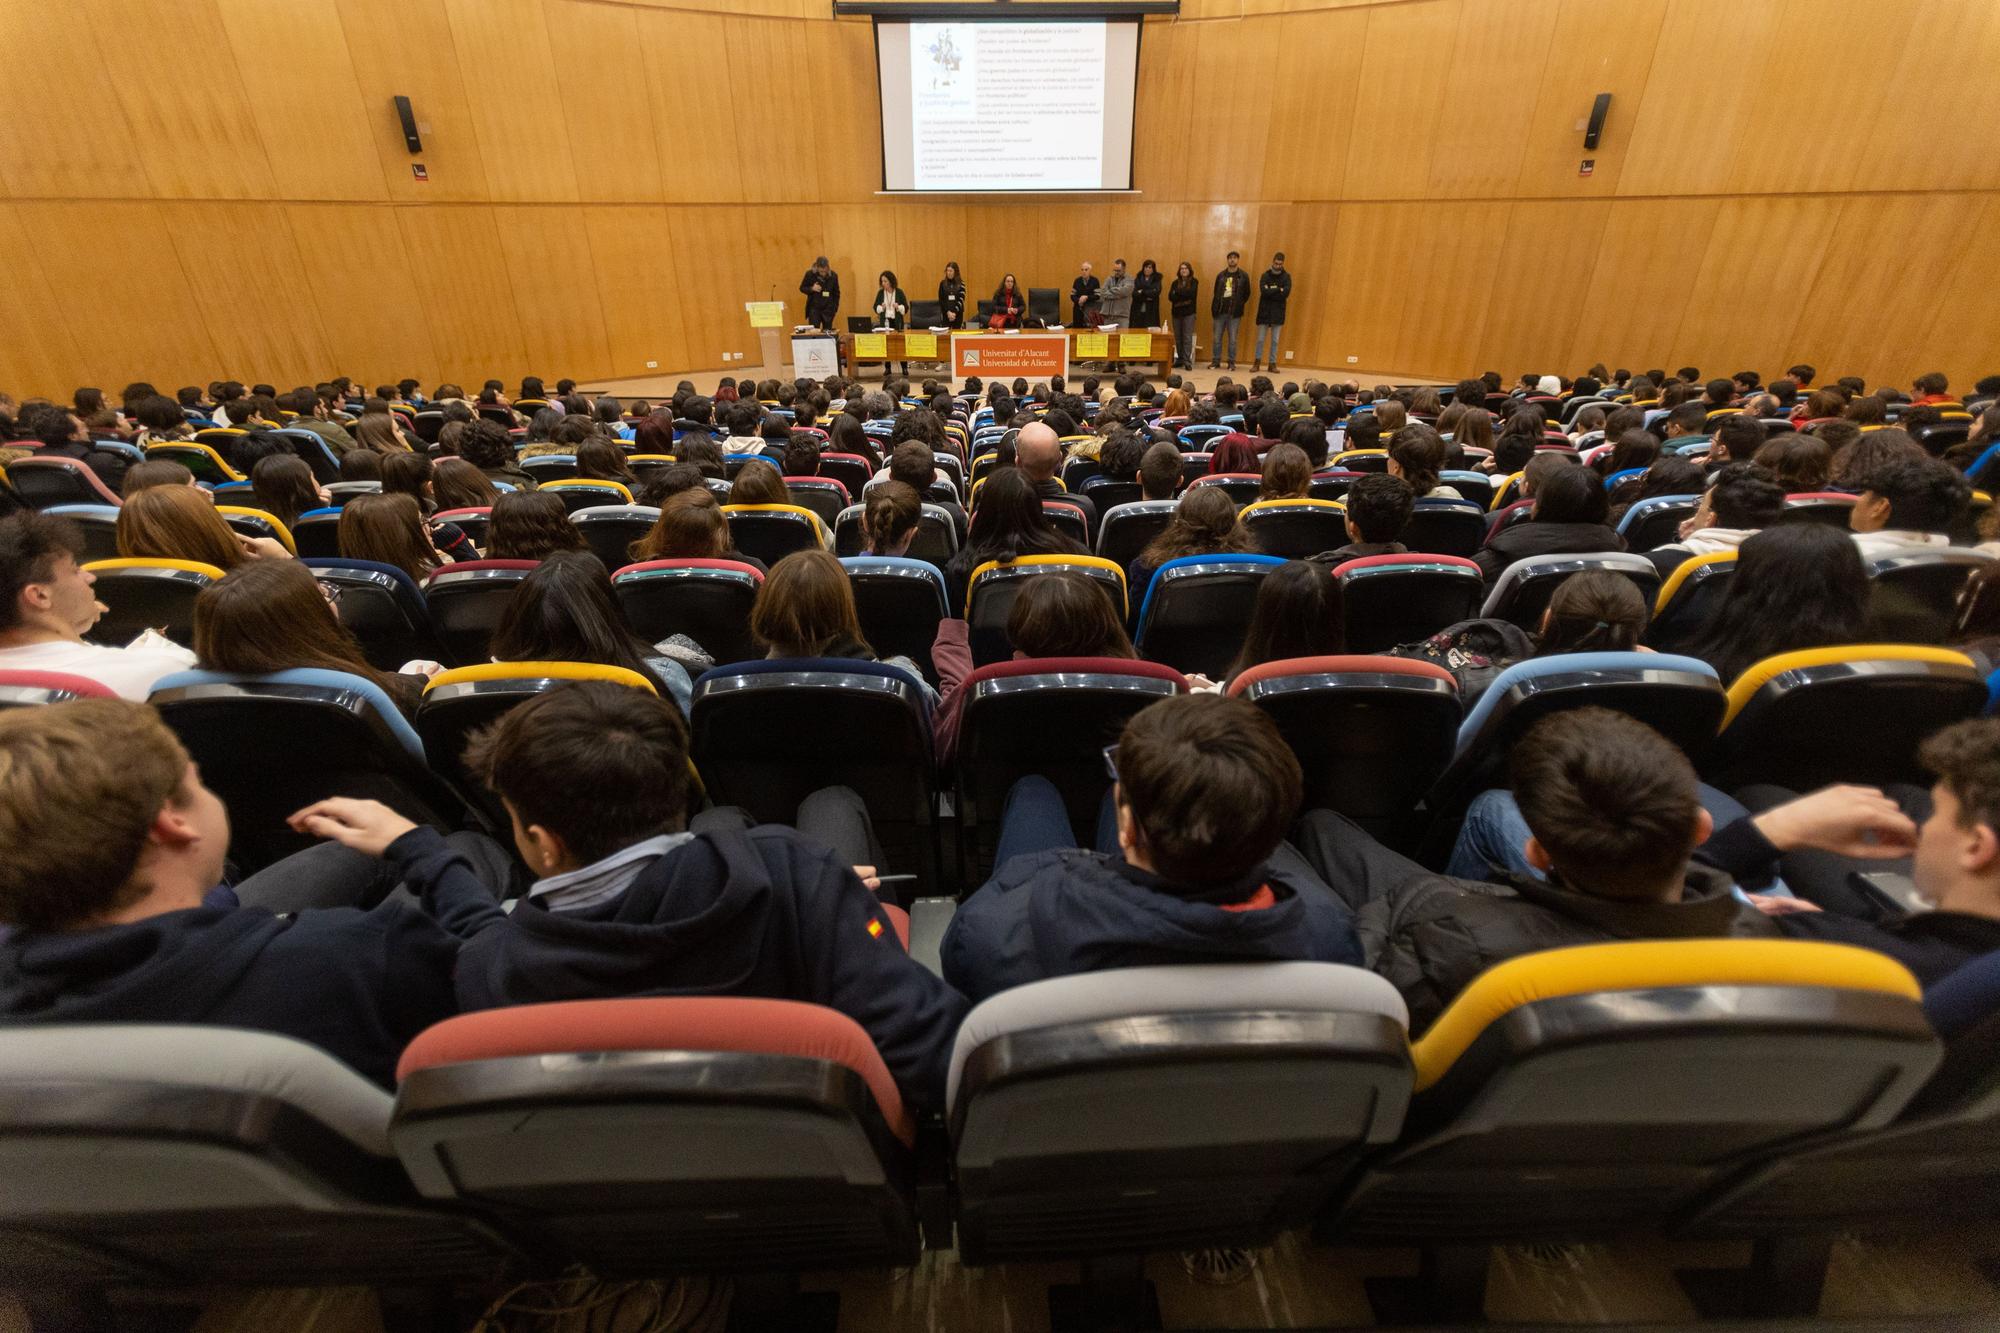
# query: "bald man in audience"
{"type": "Point", "coordinates": [1038, 452]}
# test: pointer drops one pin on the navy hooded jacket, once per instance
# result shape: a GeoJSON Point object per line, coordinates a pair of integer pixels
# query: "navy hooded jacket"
{"type": "Point", "coordinates": [765, 913]}
{"type": "Point", "coordinates": [1055, 913]}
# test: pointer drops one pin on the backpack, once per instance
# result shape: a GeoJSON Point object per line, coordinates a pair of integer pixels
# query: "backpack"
{"type": "Point", "coordinates": [1474, 651]}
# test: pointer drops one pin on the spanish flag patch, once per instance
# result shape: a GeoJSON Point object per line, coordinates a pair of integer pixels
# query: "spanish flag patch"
{"type": "Point", "coordinates": [874, 928]}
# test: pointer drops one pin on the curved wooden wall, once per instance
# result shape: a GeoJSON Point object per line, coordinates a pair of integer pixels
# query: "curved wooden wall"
{"type": "Point", "coordinates": [197, 187]}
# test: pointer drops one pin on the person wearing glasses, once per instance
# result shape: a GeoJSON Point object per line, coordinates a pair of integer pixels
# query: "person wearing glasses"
{"type": "Point", "coordinates": [1191, 863]}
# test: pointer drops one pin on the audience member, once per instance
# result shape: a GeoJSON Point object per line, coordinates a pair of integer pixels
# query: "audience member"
{"type": "Point", "coordinates": [180, 523]}
{"type": "Point", "coordinates": [1204, 523]}
{"type": "Point", "coordinates": [1378, 508]}
{"type": "Point", "coordinates": [531, 525]}
{"type": "Point", "coordinates": [285, 488]}
{"type": "Point", "coordinates": [890, 517]}
{"type": "Point", "coordinates": [805, 609]}
{"type": "Point", "coordinates": [1912, 502]}
{"type": "Point", "coordinates": [565, 611]}
{"type": "Point", "coordinates": [1744, 499]}
{"type": "Point", "coordinates": [1569, 516]}
{"type": "Point", "coordinates": [1297, 614]}
{"type": "Point", "coordinates": [47, 606]}
{"type": "Point", "coordinates": [1796, 586]}
{"type": "Point", "coordinates": [691, 526]}
{"type": "Point", "coordinates": [390, 530]}
{"type": "Point", "coordinates": [273, 615]}
{"type": "Point", "coordinates": [1009, 524]}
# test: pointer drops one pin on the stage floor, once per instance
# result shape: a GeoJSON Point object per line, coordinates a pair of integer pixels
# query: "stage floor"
{"type": "Point", "coordinates": [661, 385]}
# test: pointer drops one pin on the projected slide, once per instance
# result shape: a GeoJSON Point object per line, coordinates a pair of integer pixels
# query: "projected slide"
{"type": "Point", "coordinates": [971, 106]}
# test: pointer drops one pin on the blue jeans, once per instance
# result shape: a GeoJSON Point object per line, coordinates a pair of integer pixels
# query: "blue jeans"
{"type": "Point", "coordinates": [1225, 327]}
{"type": "Point", "coordinates": [1184, 341]}
{"type": "Point", "coordinates": [1494, 837]}
{"type": "Point", "coordinates": [1036, 820]}
{"type": "Point", "coordinates": [1273, 332]}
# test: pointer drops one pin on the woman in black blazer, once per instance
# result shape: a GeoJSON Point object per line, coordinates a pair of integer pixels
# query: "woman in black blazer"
{"type": "Point", "coordinates": [1146, 296]}
{"type": "Point", "coordinates": [892, 311]}
{"type": "Point", "coordinates": [951, 296]}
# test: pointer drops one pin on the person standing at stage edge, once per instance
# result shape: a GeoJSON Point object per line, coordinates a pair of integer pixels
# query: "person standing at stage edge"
{"type": "Point", "coordinates": [892, 312]}
{"type": "Point", "coordinates": [1274, 288]}
{"type": "Point", "coordinates": [1083, 297]}
{"type": "Point", "coordinates": [1181, 300]}
{"type": "Point", "coordinates": [1116, 305]}
{"type": "Point", "coordinates": [821, 286]}
{"type": "Point", "coordinates": [1232, 293]}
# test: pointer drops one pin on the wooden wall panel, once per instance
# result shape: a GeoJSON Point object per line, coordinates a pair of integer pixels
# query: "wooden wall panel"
{"type": "Point", "coordinates": [637, 290]}
{"type": "Point", "coordinates": [1640, 282]}
{"type": "Point", "coordinates": [1530, 322]}
{"type": "Point", "coordinates": [1231, 112]}
{"type": "Point", "coordinates": [1964, 335]}
{"type": "Point", "coordinates": [715, 280]}
{"type": "Point", "coordinates": [611, 142]}
{"type": "Point", "coordinates": [421, 64]}
{"type": "Point", "coordinates": [1795, 129]}
{"type": "Point", "coordinates": [374, 321]}
{"type": "Point", "coordinates": [561, 316]}
{"type": "Point", "coordinates": [37, 354]}
{"type": "Point", "coordinates": [1312, 103]}
{"type": "Point", "coordinates": [1375, 285]}
{"type": "Point", "coordinates": [846, 124]}
{"type": "Point", "coordinates": [510, 86]}
{"type": "Point", "coordinates": [1164, 109]}
{"type": "Point", "coordinates": [1399, 85]}
{"type": "Point", "coordinates": [1757, 246]}
{"type": "Point", "coordinates": [1586, 57]}
{"type": "Point", "coordinates": [1449, 257]}
{"type": "Point", "coordinates": [1489, 96]}
{"type": "Point", "coordinates": [63, 133]}
{"type": "Point", "coordinates": [199, 140]}
{"type": "Point", "coordinates": [255, 321]}
{"type": "Point", "coordinates": [459, 279]}
{"type": "Point", "coordinates": [153, 332]}
{"type": "Point", "coordinates": [291, 56]}
{"type": "Point", "coordinates": [1936, 126]}
{"type": "Point", "coordinates": [1682, 139]}
{"type": "Point", "coordinates": [768, 57]}
{"type": "Point", "coordinates": [692, 92]}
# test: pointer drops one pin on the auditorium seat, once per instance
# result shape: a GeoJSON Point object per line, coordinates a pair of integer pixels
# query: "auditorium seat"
{"type": "Point", "coordinates": [1371, 734]}
{"type": "Point", "coordinates": [1444, 527]}
{"type": "Point", "coordinates": [340, 492]}
{"type": "Point", "coordinates": [767, 734]}
{"type": "Point", "coordinates": [850, 470]}
{"type": "Point", "coordinates": [169, 1156]}
{"type": "Point", "coordinates": [1829, 507]}
{"type": "Point", "coordinates": [707, 600]}
{"type": "Point", "coordinates": [1068, 519]}
{"type": "Point", "coordinates": [1504, 492]}
{"type": "Point", "coordinates": [1679, 697]}
{"type": "Point", "coordinates": [1295, 529]}
{"type": "Point", "coordinates": [611, 529]}
{"type": "Point", "coordinates": [467, 602]}
{"type": "Point", "coordinates": [145, 593]}
{"type": "Point", "coordinates": [772, 532]}
{"type": "Point", "coordinates": [272, 744]}
{"type": "Point", "coordinates": [30, 689]}
{"type": "Point", "coordinates": [1581, 1093]}
{"type": "Point", "coordinates": [1331, 485]}
{"type": "Point", "coordinates": [579, 493]}
{"type": "Point", "coordinates": [1047, 716]}
{"type": "Point", "coordinates": [825, 496]}
{"type": "Point", "coordinates": [199, 456]}
{"type": "Point", "coordinates": [473, 521]}
{"type": "Point", "coordinates": [991, 589]}
{"type": "Point", "coordinates": [460, 701]}
{"type": "Point", "coordinates": [1194, 466]}
{"type": "Point", "coordinates": [257, 523]}
{"type": "Point", "coordinates": [1107, 493]}
{"type": "Point", "coordinates": [900, 603]}
{"type": "Point", "coordinates": [1472, 487]}
{"type": "Point", "coordinates": [1361, 460]}
{"type": "Point", "coordinates": [1123, 532]}
{"type": "Point", "coordinates": [1851, 714]}
{"type": "Point", "coordinates": [1201, 437]}
{"type": "Point", "coordinates": [383, 608]}
{"type": "Point", "coordinates": [1387, 600]}
{"type": "Point", "coordinates": [1522, 592]}
{"type": "Point", "coordinates": [1102, 1116]}
{"type": "Point", "coordinates": [1656, 521]}
{"type": "Point", "coordinates": [1242, 487]}
{"type": "Point", "coordinates": [312, 451]}
{"type": "Point", "coordinates": [316, 532]}
{"type": "Point", "coordinates": [657, 1136]}
{"type": "Point", "coordinates": [1941, 435]}
{"type": "Point", "coordinates": [99, 525]}
{"type": "Point", "coordinates": [44, 483]}
{"type": "Point", "coordinates": [1194, 612]}
{"type": "Point", "coordinates": [936, 541]}
{"type": "Point", "coordinates": [647, 466]}
{"type": "Point", "coordinates": [1688, 600]}
{"type": "Point", "coordinates": [1914, 591]}
{"type": "Point", "coordinates": [1077, 470]}
{"type": "Point", "coordinates": [545, 468]}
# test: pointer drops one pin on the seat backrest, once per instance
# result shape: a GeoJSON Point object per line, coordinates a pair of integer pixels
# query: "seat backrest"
{"type": "Point", "coordinates": [825, 496]}
{"type": "Point", "coordinates": [1680, 697]}
{"type": "Point", "coordinates": [1069, 520]}
{"type": "Point", "coordinates": [707, 600]}
{"type": "Point", "coordinates": [545, 468]}
{"type": "Point", "coordinates": [258, 523]}
{"type": "Point", "coordinates": [20, 689]}
{"type": "Point", "coordinates": [1829, 507]}
{"type": "Point", "coordinates": [1126, 530]}
{"type": "Point", "coordinates": [1914, 591]}
{"type": "Point", "coordinates": [383, 607]}
{"type": "Point", "coordinates": [1388, 600]}
{"type": "Point", "coordinates": [467, 602]}
{"type": "Point", "coordinates": [585, 493]}
{"type": "Point", "coordinates": [146, 593]}
{"type": "Point", "coordinates": [1242, 487]}
{"type": "Point", "coordinates": [1850, 714]}
{"type": "Point", "coordinates": [1163, 1055]}
{"type": "Point", "coordinates": [1444, 527]}
{"type": "Point", "coordinates": [1371, 733]}
{"type": "Point", "coordinates": [46, 482]}
{"type": "Point", "coordinates": [1295, 529]}
{"type": "Point", "coordinates": [900, 603]}
{"type": "Point", "coordinates": [1688, 600]}
{"type": "Point", "coordinates": [1193, 614]}
{"type": "Point", "coordinates": [98, 524]}
{"type": "Point", "coordinates": [772, 532]}
{"type": "Point", "coordinates": [1656, 521]}
{"type": "Point", "coordinates": [991, 589]}
{"type": "Point", "coordinates": [1524, 588]}
{"type": "Point", "coordinates": [610, 530]}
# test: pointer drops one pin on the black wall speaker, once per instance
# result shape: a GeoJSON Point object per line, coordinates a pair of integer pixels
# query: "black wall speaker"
{"type": "Point", "coordinates": [1597, 110]}
{"type": "Point", "coordinates": [410, 137]}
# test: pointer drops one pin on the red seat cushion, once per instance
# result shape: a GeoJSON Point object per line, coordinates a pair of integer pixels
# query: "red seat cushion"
{"type": "Point", "coordinates": [732, 566]}
{"type": "Point", "coordinates": [58, 680]}
{"type": "Point", "coordinates": [700, 1023]}
{"type": "Point", "coordinates": [1321, 666]}
{"type": "Point", "coordinates": [1408, 558]}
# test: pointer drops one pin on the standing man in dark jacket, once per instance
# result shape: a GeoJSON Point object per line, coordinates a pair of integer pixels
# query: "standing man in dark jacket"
{"type": "Point", "coordinates": [821, 286]}
{"type": "Point", "coordinates": [1232, 294]}
{"type": "Point", "coordinates": [1083, 297]}
{"type": "Point", "coordinates": [1274, 288]}
{"type": "Point", "coordinates": [1615, 815]}
{"type": "Point", "coordinates": [114, 848]}
{"type": "Point", "coordinates": [1204, 789]}
{"type": "Point", "coordinates": [630, 902]}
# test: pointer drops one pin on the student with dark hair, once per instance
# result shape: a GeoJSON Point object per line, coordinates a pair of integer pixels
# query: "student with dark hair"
{"type": "Point", "coordinates": [805, 608]}
{"type": "Point", "coordinates": [162, 472]}
{"type": "Point", "coordinates": [47, 605]}
{"type": "Point", "coordinates": [1735, 439]}
{"type": "Point", "coordinates": [691, 526]}
{"type": "Point", "coordinates": [1378, 509]}
{"type": "Point", "coordinates": [1160, 472]}
{"type": "Point", "coordinates": [1287, 474]}
{"type": "Point", "coordinates": [1911, 502]}
{"type": "Point", "coordinates": [1931, 389]}
{"type": "Point", "coordinates": [1192, 865]}
{"type": "Point", "coordinates": [284, 487]}
{"type": "Point", "coordinates": [1800, 463]}
{"type": "Point", "coordinates": [530, 525]}
{"type": "Point", "coordinates": [630, 900]}
{"type": "Point", "coordinates": [758, 483]}
{"type": "Point", "coordinates": [1297, 614]}
{"type": "Point", "coordinates": [1418, 455]}
{"type": "Point", "coordinates": [62, 434]}
{"type": "Point", "coordinates": [488, 447]}
{"type": "Point", "coordinates": [457, 484]}
{"type": "Point", "coordinates": [390, 530]}
{"type": "Point", "coordinates": [115, 852]}
{"type": "Point", "coordinates": [1008, 524]}
{"type": "Point", "coordinates": [1569, 516]}
{"type": "Point", "coordinates": [1614, 816]}
{"type": "Point", "coordinates": [1744, 499]}
{"type": "Point", "coordinates": [1796, 586]}
{"type": "Point", "coordinates": [1205, 522]}
{"type": "Point", "coordinates": [564, 611]}
{"type": "Point", "coordinates": [890, 516]}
